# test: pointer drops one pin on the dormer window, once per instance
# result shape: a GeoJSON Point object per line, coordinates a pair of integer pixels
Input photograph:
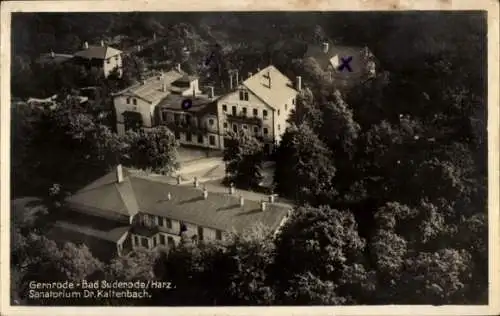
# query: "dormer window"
{"type": "Point", "coordinates": [243, 95]}
{"type": "Point", "coordinates": [134, 101]}
{"type": "Point", "coordinates": [128, 100]}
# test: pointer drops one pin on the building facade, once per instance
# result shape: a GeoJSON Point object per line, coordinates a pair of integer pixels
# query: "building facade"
{"type": "Point", "coordinates": [102, 57]}
{"type": "Point", "coordinates": [261, 104]}
{"type": "Point", "coordinates": [128, 211]}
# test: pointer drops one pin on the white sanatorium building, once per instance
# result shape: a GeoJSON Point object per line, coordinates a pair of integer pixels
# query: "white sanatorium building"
{"type": "Point", "coordinates": [260, 104]}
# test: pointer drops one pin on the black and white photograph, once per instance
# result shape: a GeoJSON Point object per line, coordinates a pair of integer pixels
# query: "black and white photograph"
{"type": "Point", "coordinates": [249, 158]}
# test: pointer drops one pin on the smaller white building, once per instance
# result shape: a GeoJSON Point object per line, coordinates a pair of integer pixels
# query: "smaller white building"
{"type": "Point", "coordinates": [103, 57]}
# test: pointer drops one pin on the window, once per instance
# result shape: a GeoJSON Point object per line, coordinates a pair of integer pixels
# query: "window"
{"type": "Point", "coordinates": [108, 60]}
{"type": "Point", "coordinates": [218, 234]}
{"type": "Point", "coordinates": [211, 139]}
{"type": "Point", "coordinates": [177, 118]}
{"type": "Point", "coordinates": [234, 110]}
{"type": "Point", "coordinates": [164, 116]}
{"type": "Point", "coordinates": [117, 57]}
{"type": "Point", "coordinates": [177, 135]}
{"type": "Point", "coordinates": [128, 100]}
{"type": "Point", "coordinates": [200, 138]}
{"type": "Point", "coordinates": [200, 233]}
{"type": "Point", "coordinates": [211, 121]}
{"type": "Point", "coordinates": [264, 113]}
{"type": "Point", "coordinates": [188, 137]}
{"type": "Point", "coordinates": [158, 220]}
{"type": "Point", "coordinates": [241, 95]}
{"type": "Point", "coordinates": [255, 112]}
{"type": "Point", "coordinates": [182, 227]}
{"type": "Point", "coordinates": [255, 129]}
{"type": "Point", "coordinates": [144, 242]}
{"type": "Point", "coordinates": [162, 239]}
{"type": "Point", "coordinates": [235, 128]}
{"type": "Point", "coordinates": [136, 240]}
{"type": "Point", "coordinates": [224, 108]}
{"type": "Point", "coordinates": [171, 243]}
{"type": "Point", "coordinates": [169, 223]}
{"type": "Point", "coordinates": [245, 95]}
{"type": "Point", "coordinates": [134, 101]}
{"type": "Point", "coordinates": [225, 125]}
{"type": "Point", "coordinates": [265, 131]}
{"type": "Point", "coordinates": [154, 241]}
{"type": "Point", "coordinates": [244, 110]}
{"type": "Point", "coordinates": [278, 112]}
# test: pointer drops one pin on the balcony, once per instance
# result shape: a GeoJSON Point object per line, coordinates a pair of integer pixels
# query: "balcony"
{"type": "Point", "coordinates": [243, 118]}
{"type": "Point", "coordinates": [183, 126]}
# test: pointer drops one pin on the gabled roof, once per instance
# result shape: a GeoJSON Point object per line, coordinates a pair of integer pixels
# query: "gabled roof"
{"type": "Point", "coordinates": [149, 195]}
{"type": "Point", "coordinates": [324, 58]}
{"type": "Point", "coordinates": [275, 95]}
{"type": "Point", "coordinates": [151, 89]}
{"type": "Point", "coordinates": [98, 52]}
{"type": "Point", "coordinates": [107, 195]}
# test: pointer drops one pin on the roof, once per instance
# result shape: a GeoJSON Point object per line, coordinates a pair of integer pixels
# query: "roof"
{"type": "Point", "coordinates": [91, 226]}
{"type": "Point", "coordinates": [200, 103]}
{"type": "Point", "coordinates": [98, 52]}
{"type": "Point", "coordinates": [276, 95]}
{"type": "Point", "coordinates": [107, 195]}
{"type": "Point", "coordinates": [324, 59]}
{"type": "Point", "coordinates": [219, 211]}
{"type": "Point", "coordinates": [54, 58]}
{"type": "Point", "coordinates": [151, 89]}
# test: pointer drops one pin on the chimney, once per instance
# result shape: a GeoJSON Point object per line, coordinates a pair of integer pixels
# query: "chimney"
{"type": "Point", "coordinates": [143, 81]}
{"type": "Point", "coordinates": [195, 182]}
{"type": "Point", "coordinates": [236, 73]}
{"type": "Point", "coordinates": [211, 92]}
{"type": "Point", "coordinates": [231, 188]}
{"type": "Point", "coordinates": [262, 206]}
{"type": "Point", "coordinates": [325, 47]}
{"type": "Point", "coordinates": [269, 78]}
{"type": "Point", "coordinates": [271, 198]}
{"type": "Point", "coordinates": [258, 69]}
{"type": "Point", "coordinates": [85, 45]}
{"type": "Point", "coordinates": [298, 83]}
{"type": "Point", "coordinates": [249, 74]}
{"type": "Point", "coordinates": [164, 87]}
{"type": "Point", "coordinates": [205, 193]}
{"type": "Point", "coordinates": [242, 201]}
{"type": "Point", "coordinates": [52, 54]}
{"type": "Point", "coordinates": [169, 196]}
{"type": "Point", "coordinates": [102, 43]}
{"type": "Point", "coordinates": [178, 67]}
{"type": "Point", "coordinates": [119, 173]}
{"type": "Point", "coordinates": [179, 179]}
{"type": "Point", "coordinates": [154, 36]}
{"type": "Point", "coordinates": [230, 80]}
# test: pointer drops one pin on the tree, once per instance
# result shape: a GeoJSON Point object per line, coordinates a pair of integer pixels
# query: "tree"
{"type": "Point", "coordinates": [153, 149]}
{"type": "Point", "coordinates": [45, 261]}
{"type": "Point", "coordinates": [243, 155]}
{"type": "Point", "coordinates": [308, 289]}
{"type": "Point", "coordinates": [325, 243]}
{"type": "Point", "coordinates": [339, 130]}
{"type": "Point", "coordinates": [303, 152]}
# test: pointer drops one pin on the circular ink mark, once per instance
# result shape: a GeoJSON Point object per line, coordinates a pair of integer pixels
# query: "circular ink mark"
{"type": "Point", "coordinates": [186, 104]}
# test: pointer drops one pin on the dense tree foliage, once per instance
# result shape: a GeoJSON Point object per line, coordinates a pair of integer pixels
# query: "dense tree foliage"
{"type": "Point", "coordinates": [389, 177]}
{"type": "Point", "coordinates": [243, 155]}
